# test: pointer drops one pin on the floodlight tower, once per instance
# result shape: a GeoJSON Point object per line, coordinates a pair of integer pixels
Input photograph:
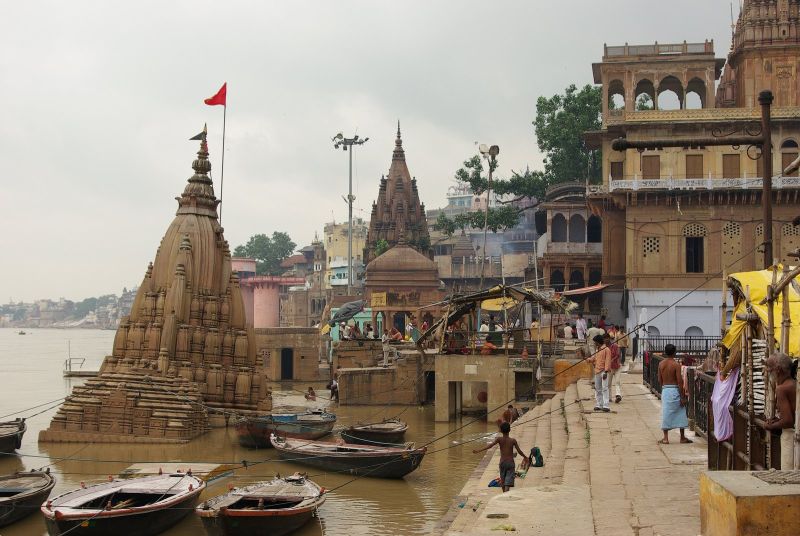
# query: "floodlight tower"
{"type": "Point", "coordinates": [490, 154]}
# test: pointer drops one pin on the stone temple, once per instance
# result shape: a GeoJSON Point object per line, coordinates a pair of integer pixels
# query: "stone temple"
{"type": "Point", "coordinates": [185, 356]}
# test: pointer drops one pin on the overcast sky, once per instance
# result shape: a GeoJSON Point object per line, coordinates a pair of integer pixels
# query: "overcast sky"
{"type": "Point", "coordinates": [99, 98]}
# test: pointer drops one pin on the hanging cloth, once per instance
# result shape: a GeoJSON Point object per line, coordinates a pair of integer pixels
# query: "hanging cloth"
{"type": "Point", "coordinates": [721, 399]}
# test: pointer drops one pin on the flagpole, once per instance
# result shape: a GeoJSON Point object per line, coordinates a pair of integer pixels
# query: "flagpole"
{"type": "Point", "coordinates": [222, 167]}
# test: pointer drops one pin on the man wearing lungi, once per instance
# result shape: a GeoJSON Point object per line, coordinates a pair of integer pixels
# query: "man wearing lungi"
{"type": "Point", "coordinates": [673, 396]}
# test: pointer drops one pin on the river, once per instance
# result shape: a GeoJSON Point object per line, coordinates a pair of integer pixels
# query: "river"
{"type": "Point", "coordinates": [31, 374]}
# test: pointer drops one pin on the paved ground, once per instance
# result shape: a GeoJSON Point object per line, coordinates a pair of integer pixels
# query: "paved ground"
{"type": "Point", "coordinates": [604, 473]}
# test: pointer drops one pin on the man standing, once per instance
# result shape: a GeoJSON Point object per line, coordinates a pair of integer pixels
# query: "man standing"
{"type": "Point", "coordinates": [507, 465]}
{"type": "Point", "coordinates": [779, 367]}
{"type": "Point", "coordinates": [614, 380]}
{"type": "Point", "coordinates": [580, 327]}
{"type": "Point", "coordinates": [622, 342]}
{"type": "Point", "coordinates": [602, 365]}
{"type": "Point", "coordinates": [673, 397]}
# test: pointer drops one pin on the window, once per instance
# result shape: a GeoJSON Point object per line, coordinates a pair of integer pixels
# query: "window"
{"type": "Point", "coordinates": [651, 244]}
{"type": "Point", "coordinates": [786, 159]}
{"type": "Point", "coordinates": [694, 166]}
{"type": "Point", "coordinates": [730, 166]}
{"type": "Point", "coordinates": [617, 172]}
{"type": "Point", "coordinates": [694, 234]}
{"type": "Point", "coordinates": [651, 167]}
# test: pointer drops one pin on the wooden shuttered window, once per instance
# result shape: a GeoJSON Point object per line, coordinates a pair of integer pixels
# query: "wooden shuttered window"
{"type": "Point", "coordinates": [731, 166]}
{"type": "Point", "coordinates": [651, 167]}
{"type": "Point", "coordinates": [694, 166]}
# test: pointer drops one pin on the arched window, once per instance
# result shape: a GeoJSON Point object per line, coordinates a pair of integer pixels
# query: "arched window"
{"type": "Point", "coordinates": [732, 247]}
{"type": "Point", "coordinates": [616, 95]}
{"type": "Point", "coordinates": [670, 94]}
{"type": "Point", "coordinates": [695, 94]}
{"type": "Point", "coordinates": [559, 228]}
{"type": "Point", "coordinates": [693, 331]}
{"type": "Point", "coordinates": [653, 331]}
{"type": "Point", "coordinates": [595, 275]}
{"type": "Point", "coordinates": [576, 280]}
{"type": "Point", "coordinates": [790, 242]}
{"type": "Point", "coordinates": [594, 230]}
{"type": "Point", "coordinates": [695, 234]}
{"type": "Point", "coordinates": [789, 152]}
{"type": "Point", "coordinates": [557, 280]}
{"type": "Point", "coordinates": [644, 95]}
{"type": "Point", "coordinates": [577, 228]}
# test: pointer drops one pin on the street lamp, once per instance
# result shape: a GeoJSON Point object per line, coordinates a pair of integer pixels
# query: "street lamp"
{"type": "Point", "coordinates": [490, 154]}
{"type": "Point", "coordinates": [340, 141]}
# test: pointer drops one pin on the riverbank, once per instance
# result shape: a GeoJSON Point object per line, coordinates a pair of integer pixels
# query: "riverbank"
{"type": "Point", "coordinates": [604, 473]}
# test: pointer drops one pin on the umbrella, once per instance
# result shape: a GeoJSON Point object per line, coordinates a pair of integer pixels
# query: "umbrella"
{"type": "Point", "coordinates": [347, 311]}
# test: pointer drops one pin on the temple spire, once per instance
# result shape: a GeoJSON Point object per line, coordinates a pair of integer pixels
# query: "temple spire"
{"type": "Point", "coordinates": [198, 196]}
{"type": "Point", "coordinates": [398, 146]}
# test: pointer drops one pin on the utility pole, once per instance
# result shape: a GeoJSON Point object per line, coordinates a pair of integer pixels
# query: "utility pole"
{"type": "Point", "coordinates": [490, 154]}
{"type": "Point", "coordinates": [340, 141]}
{"type": "Point", "coordinates": [765, 99]}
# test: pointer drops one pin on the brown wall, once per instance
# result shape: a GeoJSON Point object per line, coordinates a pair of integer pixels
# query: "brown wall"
{"type": "Point", "coordinates": [304, 343]}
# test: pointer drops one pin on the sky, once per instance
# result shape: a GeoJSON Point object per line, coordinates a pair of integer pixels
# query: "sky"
{"type": "Point", "coordinates": [100, 97]}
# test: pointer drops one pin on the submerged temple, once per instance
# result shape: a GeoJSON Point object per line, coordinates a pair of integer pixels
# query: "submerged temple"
{"type": "Point", "coordinates": [185, 349]}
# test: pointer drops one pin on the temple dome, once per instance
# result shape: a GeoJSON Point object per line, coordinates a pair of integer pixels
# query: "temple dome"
{"type": "Point", "coordinates": [402, 265]}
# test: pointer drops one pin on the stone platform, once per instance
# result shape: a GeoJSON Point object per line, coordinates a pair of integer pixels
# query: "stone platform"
{"type": "Point", "coordinates": [604, 473]}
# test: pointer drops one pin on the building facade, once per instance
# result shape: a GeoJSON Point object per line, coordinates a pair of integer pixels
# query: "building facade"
{"type": "Point", "coordinates": [675, 220]}
{"type": "Point", "coordinates": [335, 244]}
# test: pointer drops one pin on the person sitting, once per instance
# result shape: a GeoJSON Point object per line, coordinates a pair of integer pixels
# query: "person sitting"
{"type": "Point", "coordinates": [311, 395]}
{"type": "Point", "coordinates": [779, 367]}
{"type": "Point", "coordinates": [395, 334]}
{"type": "Point", "coordinates": [356, 332]}
{"type": "Point", "coordinates": [568, 333]}
{"type": "Point", "coordinates": [487, 347]}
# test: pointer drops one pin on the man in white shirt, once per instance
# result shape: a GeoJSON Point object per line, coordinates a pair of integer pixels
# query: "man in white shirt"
{"type": "Point", "coordinates": [567, 331]}
{"type": "Point", "coordinates": [580, 327]}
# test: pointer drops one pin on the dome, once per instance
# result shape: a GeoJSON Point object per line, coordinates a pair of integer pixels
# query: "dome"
{"type": "Point", "coordinates": [402, 265]}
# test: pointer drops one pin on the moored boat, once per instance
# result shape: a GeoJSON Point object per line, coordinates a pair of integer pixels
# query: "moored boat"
{"type": "Point", "coordinates": [364, 460]}
{"type": "Point", "coordinates": [276, 507]}
{"type": "Point", "coordinates": [389, 432]}
{"type": "Point", "coordinates": [22, 493]}
{"type": "Point", "coordinates": [142, 506]}
{"type": "Point", "coordinates": [254, 432]}
{"type": "Point", "coordinates": [11, 433]}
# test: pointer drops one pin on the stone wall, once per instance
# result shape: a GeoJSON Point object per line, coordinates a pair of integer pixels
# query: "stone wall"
{"type": "Point", "coordinates": [302, 344]}
{"type": "Point", "coordinates": [357, 354]}
{"type": "Point", "coordinates": [494, 370]}
{"type": "Point", "coordinates": [375, 386]}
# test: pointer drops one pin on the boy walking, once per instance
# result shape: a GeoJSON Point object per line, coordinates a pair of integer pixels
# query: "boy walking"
{"type": "Point", "coordinates": [507, 465]}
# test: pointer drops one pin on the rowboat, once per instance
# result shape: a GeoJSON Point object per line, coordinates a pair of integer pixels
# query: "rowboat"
{"type": "Point", "coordinates": [22, 493]}
{"type": "Point", "coordinates": [388, 432]}
{"type": "Point", "coordinates": [11, 433]}
{"type": "Point", "coordinates": [364, 460]}
{"type": "Point", "coordinates": [275, 507]}
{"type": "Point", "coordinates": [137, 506]}
{"type": "Point", "coordinates": [254, 432]}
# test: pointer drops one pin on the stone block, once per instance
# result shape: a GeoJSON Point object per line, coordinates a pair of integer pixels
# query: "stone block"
{"type": "Point", "coordinates": [564, 376]}
{"type": "Point", "coordinates": [736, 503]}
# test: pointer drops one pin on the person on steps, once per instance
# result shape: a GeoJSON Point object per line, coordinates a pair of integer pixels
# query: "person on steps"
{"type": "Point", "coordinates": [507, 465]}
{"type": "Point", "coordinates": [614, 376]}
{"type": "Point", "coordinates": [602, 366]}
{"type": "Point", "coordinates": [673, 396]}
{"type": "Point", "coordinates": [779, 367]}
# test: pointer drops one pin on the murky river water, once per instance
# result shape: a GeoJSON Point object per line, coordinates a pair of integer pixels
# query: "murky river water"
{"type": "Point", "coordinates": [31, 373]}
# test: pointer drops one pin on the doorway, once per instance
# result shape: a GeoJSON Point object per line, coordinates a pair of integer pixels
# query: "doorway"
{"type": "Point", "coordinates": [287, 363]}
{"type": "Point", "coordinates": [430, 387]}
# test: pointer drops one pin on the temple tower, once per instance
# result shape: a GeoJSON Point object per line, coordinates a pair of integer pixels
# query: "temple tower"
{"type": "Point", "coordinates": [398, 211]}
{"type": "Point", "coordinates": [185, 343]}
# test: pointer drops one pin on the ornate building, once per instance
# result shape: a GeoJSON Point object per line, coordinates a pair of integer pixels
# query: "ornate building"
{"type": "Point", "coordinates": [185, 349]}
{"type": "Point", "coordinates": [397, 210]}
{"type": "Point", "coordinates": [677, 219]}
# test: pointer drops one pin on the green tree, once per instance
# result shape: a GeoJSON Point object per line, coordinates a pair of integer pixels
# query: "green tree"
{"type": "Point", "coordinates": [268, 252]}
{"type": "Point", "coordinates": [560, 123]}
{"type": "Point", "coordinates": [84, 307]}
{"type": "Point", "coordinates": [644, 102]}
{"type": "Point", "coordinates": [380, 247]}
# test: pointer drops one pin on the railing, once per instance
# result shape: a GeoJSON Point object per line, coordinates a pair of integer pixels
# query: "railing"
{"type": "Point", "coordinates": [650, 373]}
{"type": "Point", "coordinates": [583, 248]}
{"type": "Point", "coordinates": [672, 183]}
{"type": "Point", "coordinates": [658, 49]}
{"type": "Point", "coordinates": [686, 345]}
{"type": "Point", "coordinates": [701, 385]}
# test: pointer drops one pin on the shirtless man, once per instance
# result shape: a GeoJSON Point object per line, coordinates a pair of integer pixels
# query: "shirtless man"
{"type": "Point", "coordinates": [673, 396]}
{"type": "Point", "coordinates": [779, 367]}
{"type": "Point", "coordinates": [507, 465]}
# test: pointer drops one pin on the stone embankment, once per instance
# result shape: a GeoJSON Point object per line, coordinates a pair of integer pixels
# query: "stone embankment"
{"type": "Point", "coordinates": [604, 473]}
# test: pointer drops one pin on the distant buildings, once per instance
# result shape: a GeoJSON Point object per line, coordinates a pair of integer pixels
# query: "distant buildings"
{"type": "Point", "coordinates": [104, 312]}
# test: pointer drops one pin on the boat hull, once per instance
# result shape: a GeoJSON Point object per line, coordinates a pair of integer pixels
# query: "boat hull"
{"type": "Point", "coordinates": [273, 524]}
{"type": "Point", "coordinates": [254, 433]}
{"type": "Point", "coordinates": [379, 464]}
{"type": "Point", "coordinates": [139, 524]}
{"type": "Point", "coordinates": [12, 510]}
{"type": "Point", "coordinates": [364, 437]}
{"type": "Point", "coordinates": [12, 440]}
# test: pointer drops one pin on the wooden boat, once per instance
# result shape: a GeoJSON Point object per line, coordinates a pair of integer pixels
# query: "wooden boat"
{"type": "Point", "coordinates": [388, 432]}
{"type": "Point", "coordinates": [365, 460]}
{"type": "Point", "coordinates": [11, 433]}
{"type": "Point", "coordinates": [310, 425]}
{"type": "Point", "coordinates": [277, 507]}
{"type": "Point", "coordinates": [22, 493]}
{"type": "Point", "coordinates": [142, 506]}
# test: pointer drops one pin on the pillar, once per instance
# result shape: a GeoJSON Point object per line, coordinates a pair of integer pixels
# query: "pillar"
{"type": "Point", "coordinates": [266, 305]}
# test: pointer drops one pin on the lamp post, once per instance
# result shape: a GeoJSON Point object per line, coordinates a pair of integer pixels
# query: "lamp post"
{"type": "Point", "coordinates": [490, 154]}
{"type": "Point", "coordinates": [340, 141]}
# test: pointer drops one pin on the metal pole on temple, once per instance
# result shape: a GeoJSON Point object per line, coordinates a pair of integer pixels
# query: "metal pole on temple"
{"type": "Point", "coordinates": [222, 165]}
{"type": "Point", "coordinates": [765, 99]}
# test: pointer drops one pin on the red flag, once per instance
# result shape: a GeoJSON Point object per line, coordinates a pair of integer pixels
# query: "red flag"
{"type": "Point", "coordinates": [220, 96]}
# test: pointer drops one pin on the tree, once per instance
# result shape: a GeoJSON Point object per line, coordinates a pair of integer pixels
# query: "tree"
{"type": "Point", "coordinates": [644, 102]}
{"type": "Point", "coordinates": [268, 252]}
{"type": "Point", "coordinates": [560, 123]}
{"type": "Point", "coordinates": [381, 246]}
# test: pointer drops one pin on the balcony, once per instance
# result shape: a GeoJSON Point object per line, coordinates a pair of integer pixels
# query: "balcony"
{"type": "Point", "coordinates": [574, 248]}
{"type": "Point", "coordinates": [741, 183]}
{"type": "Point", "coordinates": [657, 49]}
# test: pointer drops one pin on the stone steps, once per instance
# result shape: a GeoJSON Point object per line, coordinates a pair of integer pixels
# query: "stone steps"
{"type": "Point", "coordinates": [576, 460]}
